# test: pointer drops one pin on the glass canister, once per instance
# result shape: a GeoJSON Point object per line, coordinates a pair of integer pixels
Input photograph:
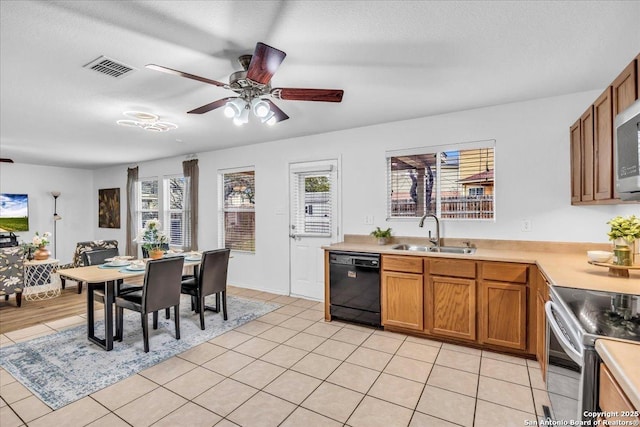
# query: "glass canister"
{"type": "Point", "coordinates": [622, 255]}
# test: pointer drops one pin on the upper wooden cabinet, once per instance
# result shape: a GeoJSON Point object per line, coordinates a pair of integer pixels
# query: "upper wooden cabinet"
{"type": "Point", "coordinates": [592, 173]}
{"type": "Point", "coordinates": [625, 88]}
{"type": "Point", "coordinates": [603, 146]}
{"type": "Point", "coordinates": [576, 163]}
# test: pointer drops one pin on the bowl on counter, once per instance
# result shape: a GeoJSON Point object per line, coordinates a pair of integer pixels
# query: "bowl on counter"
{"type": "Point", "coordinates": [599, 256]}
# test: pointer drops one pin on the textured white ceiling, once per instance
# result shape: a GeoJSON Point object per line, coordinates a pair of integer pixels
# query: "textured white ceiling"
{"type": "Point", "coordinates": [394, 59]}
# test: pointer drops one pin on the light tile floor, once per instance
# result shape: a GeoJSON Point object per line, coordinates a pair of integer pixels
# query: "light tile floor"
{"type": "Point", "coordinates": [290, 368]}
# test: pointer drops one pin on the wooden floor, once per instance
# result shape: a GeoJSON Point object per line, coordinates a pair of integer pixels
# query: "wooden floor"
{"type": "Point", "coordinates": [69, 303]}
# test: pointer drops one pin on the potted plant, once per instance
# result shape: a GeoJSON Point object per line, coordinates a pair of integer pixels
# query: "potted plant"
{"type": "Point", "coordinates": [152, 239]}
{"type": "Point", "coordinates": [624, 231]}
{"type": "Point", "coordinates": [382, 235]}
{"type": "Point", "coordinates": [41, 243]}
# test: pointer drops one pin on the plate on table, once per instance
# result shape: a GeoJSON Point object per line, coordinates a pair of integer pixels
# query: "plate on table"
{"type": "Point", "coordinates": [193, 258]}
{"type": "Point", "coordinates": [136, 267]}
{"type": "Point", "coordinates": [122, 257]}
{"type": "Point", "coordinates": [112, 265]}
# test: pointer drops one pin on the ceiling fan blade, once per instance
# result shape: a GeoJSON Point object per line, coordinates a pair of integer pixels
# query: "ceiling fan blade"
{"type": "Point", "coordinates": [183, 74]}
{"type": "Point", "coordinates": [264, 63]}
{"type": "Point", "coordinates": [211, 106]}
{"type": "Point", "coordinates": [279, 115]}
{"type": "Point", "coordinates": [295, 94]}
{"type": "Point", "coordinates": [5, 160]}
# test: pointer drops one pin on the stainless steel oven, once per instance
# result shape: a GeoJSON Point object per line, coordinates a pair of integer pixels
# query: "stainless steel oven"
{"type": "Point", "coordinates": [575, 319]}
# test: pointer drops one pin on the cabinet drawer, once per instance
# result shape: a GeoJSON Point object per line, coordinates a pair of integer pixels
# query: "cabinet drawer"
{"type": "Point", "coordinates": [407, 264]}
{"type": "Point", "coordinates": [504, 272]}
{"type": "Point", "coordinates": [452, 268]}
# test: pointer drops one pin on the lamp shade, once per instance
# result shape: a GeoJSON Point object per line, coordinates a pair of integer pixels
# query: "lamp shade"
{"type": "Point", "coordinates": [260, 107]}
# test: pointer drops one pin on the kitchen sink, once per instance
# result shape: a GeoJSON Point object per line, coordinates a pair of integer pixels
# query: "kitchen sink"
{"type": "Point", "coordinates": [441, 249]}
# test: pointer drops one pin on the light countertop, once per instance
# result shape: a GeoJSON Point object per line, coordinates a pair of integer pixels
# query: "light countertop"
{"type": "Point", "coordinates": [623, 360]}
{"type": "Point", "coordinates": [566, 269]}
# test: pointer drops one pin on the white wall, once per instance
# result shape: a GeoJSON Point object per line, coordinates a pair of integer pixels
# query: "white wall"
{"type": "Point", "coordinates": [77, 204]}
{"type": "Point", "coordinates": [532, 173]}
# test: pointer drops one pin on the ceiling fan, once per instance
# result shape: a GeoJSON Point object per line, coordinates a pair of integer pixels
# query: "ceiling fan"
{"type": "Point", "coordinates": [253, 86]}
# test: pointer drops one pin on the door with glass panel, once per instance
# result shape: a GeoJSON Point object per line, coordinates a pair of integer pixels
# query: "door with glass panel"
{"type": "Point", "coordinates": [314, 222]}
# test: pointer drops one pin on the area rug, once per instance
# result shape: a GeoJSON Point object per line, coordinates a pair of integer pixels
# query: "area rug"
{"type": "Point", "coordinates": [64, 367]}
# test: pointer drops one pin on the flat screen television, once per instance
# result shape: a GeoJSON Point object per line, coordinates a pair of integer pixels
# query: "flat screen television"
{"type": "Point", "coordinates": [14, 212]}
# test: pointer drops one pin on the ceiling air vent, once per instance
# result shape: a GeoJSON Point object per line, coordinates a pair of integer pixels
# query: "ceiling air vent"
{"type": "Point", "coordinates": [110, 67]}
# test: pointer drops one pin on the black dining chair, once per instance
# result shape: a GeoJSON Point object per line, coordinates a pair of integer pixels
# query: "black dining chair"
{"type": "Point", "coordinates": [212, 279]}
{"type": "Point", "coordinates": [99, 256]}
{"type": "Point", "coordinates": [161, 289]}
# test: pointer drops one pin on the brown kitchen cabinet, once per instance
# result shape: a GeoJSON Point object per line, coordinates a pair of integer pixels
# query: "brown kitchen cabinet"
{"type": "Point", "coordinates": [576, 163]}
{"type": "Point", "coordinates": [542, 296]}
{"type": "Point", "coordinates": [613, 401]}
{"type": "Point", "coordinates": [586, 148]}
{"type": "Point", "coordinates": [402, 292]}
{"type": "Point", "coordinates": [591, 141]}
{"type": "Point", "coordinates": [503, 305]}
{"type": "Point", "coordinates": [603, 146]}
{"type": "Point", "coordinates": [451, 298]}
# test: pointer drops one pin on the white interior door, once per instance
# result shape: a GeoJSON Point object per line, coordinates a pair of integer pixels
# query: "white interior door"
{"type": "Point", "coordinates": [314, 222]}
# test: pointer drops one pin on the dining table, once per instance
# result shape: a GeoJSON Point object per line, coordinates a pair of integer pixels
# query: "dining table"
{"type": "Point", "coordinates": [103, 278]}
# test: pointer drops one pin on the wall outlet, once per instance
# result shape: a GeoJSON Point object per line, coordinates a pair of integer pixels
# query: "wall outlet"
{"type": "Point", "coordinates": [526, 225]}
{"type": "Point", "coordinates": [368, 219]}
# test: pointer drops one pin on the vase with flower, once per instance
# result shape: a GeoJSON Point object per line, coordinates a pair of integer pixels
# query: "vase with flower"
{"type": "Point", "coordinates": [152, 239]}
{"type": "Point", "coordinates": [624, 231]}
{"type": "Point", "coordinates": [40, 242]}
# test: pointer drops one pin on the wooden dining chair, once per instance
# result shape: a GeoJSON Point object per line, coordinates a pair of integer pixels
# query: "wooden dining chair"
{"type": "Point", "coordinates": [212, 279]}
{"type": "Point", "coordinates": [161, 289]}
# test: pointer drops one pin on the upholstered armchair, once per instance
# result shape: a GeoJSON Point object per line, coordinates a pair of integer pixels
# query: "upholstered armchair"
{"type": "Point", "coordinates": [81, 248]}
{"type": "Point", "coordinates": [12, 272]}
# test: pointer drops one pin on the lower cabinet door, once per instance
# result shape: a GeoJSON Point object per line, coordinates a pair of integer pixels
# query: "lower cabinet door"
{"type": "Point", "coordinates": [504, 314]}
{"type": "Point", "coordinates": [453, 307]}
{"type": "Point", "coordinates": [403, 300]}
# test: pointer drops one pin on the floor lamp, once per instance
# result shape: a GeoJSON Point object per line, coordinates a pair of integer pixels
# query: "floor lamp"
{"type": "Point", "coordinates": [56, 218]}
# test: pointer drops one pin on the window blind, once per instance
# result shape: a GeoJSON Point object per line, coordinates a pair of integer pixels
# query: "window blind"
{"type": "Point", "coordinates": [174, 213]}
{"type": "Point", "coordinates": [238, 210]}
{"type": "Point", "coordinates": [454, 182]}
{"type": "Point", "coordinates": [312, 203]}
{"type": "Point", "coordinates": [148, 201]}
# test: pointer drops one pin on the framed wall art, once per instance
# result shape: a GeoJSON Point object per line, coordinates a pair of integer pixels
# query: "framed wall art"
{"type": "Point", "coordinates": [109, 208]}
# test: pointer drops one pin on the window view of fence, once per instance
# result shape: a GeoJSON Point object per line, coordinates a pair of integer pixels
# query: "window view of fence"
{"type": "Point", "coordinates": [317, 205]}
{"type": "Point", "coordinates": [238, 206]}
{"type": "Point", "coordinates": [456, 184]}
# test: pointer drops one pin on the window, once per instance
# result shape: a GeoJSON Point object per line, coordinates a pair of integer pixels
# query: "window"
{"type": "Point", "coordinates": [149, 201]}
{"type": "Point", "coordinates": [452, 182]}
{"type": "Point", "coordinates": [174, 210]}
{"type": "Point", "coordinates": [237, 205]}
{"type": "Point", "coordinates": [311, 197]}
{"type": "Point", "coordinates": [168, 209]}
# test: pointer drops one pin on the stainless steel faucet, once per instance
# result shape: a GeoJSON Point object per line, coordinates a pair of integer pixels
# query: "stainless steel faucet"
{"type": "Point", "coordinates": [435, 241]}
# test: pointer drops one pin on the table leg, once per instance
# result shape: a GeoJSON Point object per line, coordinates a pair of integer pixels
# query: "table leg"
{"type": "Point", "coordinates": [107, 342]}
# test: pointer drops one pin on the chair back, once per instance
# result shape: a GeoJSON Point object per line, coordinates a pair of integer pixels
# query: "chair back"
{"type": "Point", "coordinates": [213, 271]}
{"type": "Point", "coordinates": [163, 246]}
{"type": "Point", "coordinates": [99, 256]}
{"type": "Point", "coordinates": [92, 245]}
{"type": "Point", "coordinates": [11, 269]}
{"type": "Point", "coordinates": [162, 282]}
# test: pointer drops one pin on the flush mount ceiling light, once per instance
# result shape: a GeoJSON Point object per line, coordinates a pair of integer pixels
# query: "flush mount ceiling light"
{"type": "Point", "coordinates": [146, 121]}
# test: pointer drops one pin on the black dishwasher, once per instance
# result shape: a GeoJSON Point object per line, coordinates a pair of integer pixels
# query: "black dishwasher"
{"type": "Point", "coordinates": [354, 285]}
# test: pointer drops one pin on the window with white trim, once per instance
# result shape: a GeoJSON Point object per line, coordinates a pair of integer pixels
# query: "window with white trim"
{"type": "Point", "coordinates": [237, 218]}
{"type": "Point", "coordinates": [148, 201]}
{"type": "Point", "coordinates": [451, 182]}
{"type": "Point", "coordinates": [165, 203]}
{"type": "Point", "coordinates": [174, 215]}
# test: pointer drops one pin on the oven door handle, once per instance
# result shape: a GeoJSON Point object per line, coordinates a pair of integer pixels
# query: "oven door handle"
{"type": "Point", "coordinates": [562, 339]}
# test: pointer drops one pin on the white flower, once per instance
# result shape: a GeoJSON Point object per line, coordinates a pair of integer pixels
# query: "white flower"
{"type": "Point", "coordinates": [37, 240]}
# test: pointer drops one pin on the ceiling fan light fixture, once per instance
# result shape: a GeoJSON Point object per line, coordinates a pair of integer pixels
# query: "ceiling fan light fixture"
{"type": "Point", "coordinates": [260, 107]}
{"type": "Point", "coordinates": [270, 118]}
{"type": "Point", "coordinates": [235, 107]}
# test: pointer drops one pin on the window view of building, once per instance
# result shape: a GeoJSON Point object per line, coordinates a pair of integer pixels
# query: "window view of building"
{"type": "Point", "coordinates": [456, 184]}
